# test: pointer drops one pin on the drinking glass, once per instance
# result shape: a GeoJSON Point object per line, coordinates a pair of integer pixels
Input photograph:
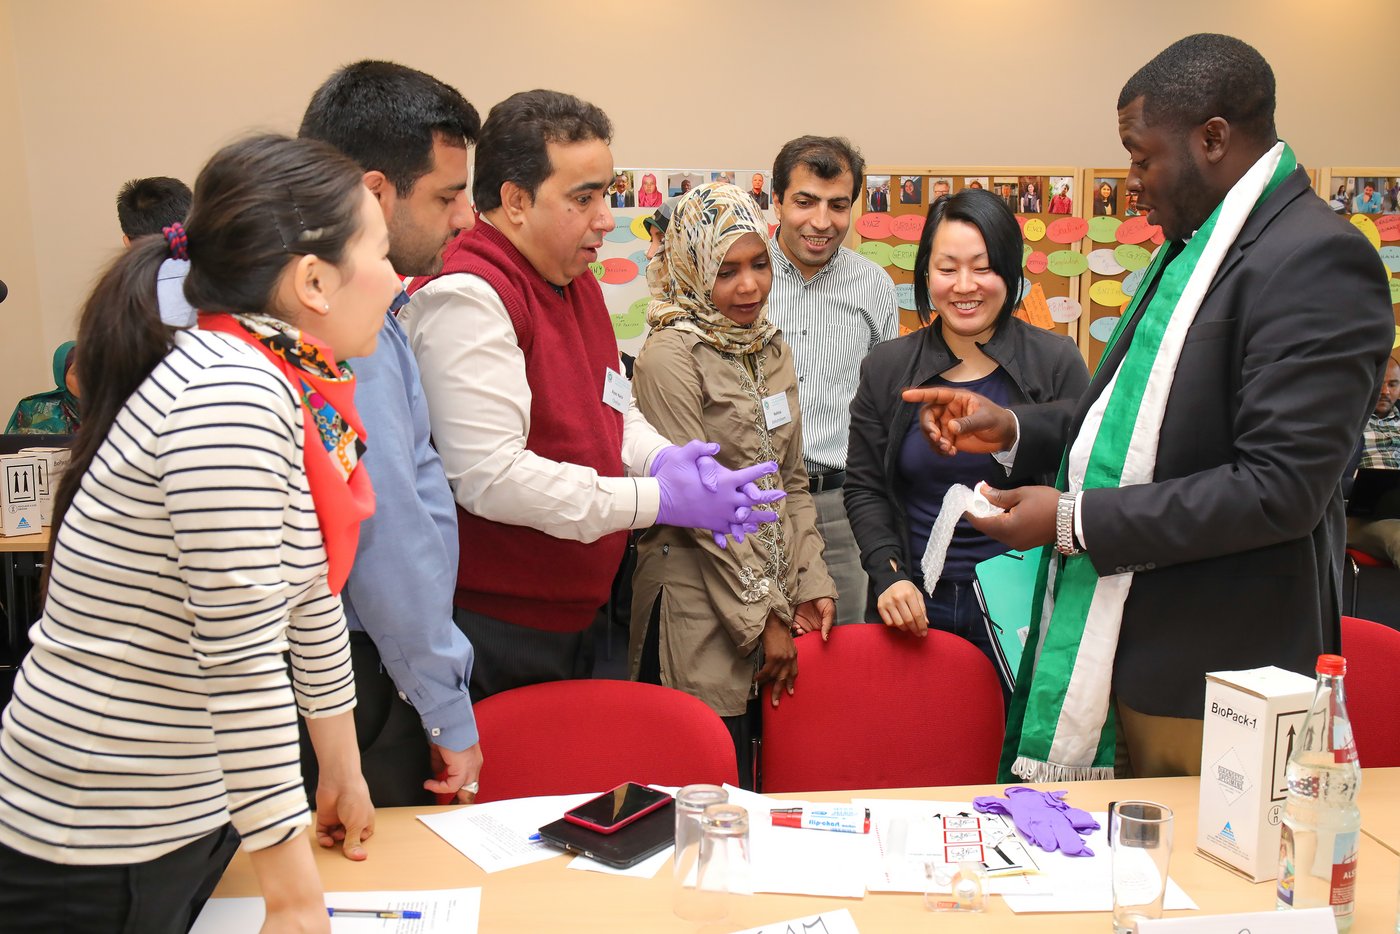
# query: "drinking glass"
{"type": "Point", "coordinates": [1141, 835]}
{"type": "Point", "coordinates": [687, 900]}
{"type": "Point", "coordinates": [724, 858]}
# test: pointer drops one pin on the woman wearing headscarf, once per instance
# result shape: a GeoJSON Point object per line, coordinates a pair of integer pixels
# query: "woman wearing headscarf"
{"type": "Point", "coordinates": [54, 412]}
{"type": "Point", "coordinates": [719, 622]}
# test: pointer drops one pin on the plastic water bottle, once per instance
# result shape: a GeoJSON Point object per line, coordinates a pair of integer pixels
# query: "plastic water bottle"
{"type": "Point", "coordinates": [1321, 823]}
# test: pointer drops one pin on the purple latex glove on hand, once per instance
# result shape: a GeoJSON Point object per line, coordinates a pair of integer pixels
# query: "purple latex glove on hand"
{"type": "Point", "coordinates": [698, 492]}
{"type": "Point", "coordinates": [1043, 818]}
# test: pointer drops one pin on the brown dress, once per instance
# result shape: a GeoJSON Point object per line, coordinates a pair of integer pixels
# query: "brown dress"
{"type": "Point", "coordinates": [714, 602]}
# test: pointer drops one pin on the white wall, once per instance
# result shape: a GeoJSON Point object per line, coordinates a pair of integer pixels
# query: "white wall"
{"type": "Point", "coordinates": [93, 93]}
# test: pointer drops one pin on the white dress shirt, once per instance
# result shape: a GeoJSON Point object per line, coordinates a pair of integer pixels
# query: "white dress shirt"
{"type": "Point", "coordinates": [479, 400]}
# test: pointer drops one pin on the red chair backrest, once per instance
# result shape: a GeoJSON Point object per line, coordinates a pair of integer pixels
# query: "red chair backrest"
{"type": "Point", "coordinates": [876, 708]}
{"type": "Point", "coordinates": [564, 737]}
{"type": "Point", "coordinates": [1366, 560]}
{"type": "Point", "coordinates": [1373, 659]}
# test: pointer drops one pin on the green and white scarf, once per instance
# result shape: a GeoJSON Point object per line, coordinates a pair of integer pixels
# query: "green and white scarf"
{"type": "Point", "coordinates": [1061, 727]}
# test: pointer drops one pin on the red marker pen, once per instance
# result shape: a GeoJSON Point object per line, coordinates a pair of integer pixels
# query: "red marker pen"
{"type": "Point", "coordinates": [841, 818]}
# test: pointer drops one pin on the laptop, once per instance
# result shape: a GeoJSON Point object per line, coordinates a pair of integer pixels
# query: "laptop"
{"type": "Point", "coordinates": [1375, 494]}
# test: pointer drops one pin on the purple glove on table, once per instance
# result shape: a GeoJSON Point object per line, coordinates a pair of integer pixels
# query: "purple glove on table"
{"type": "Point", "coordinates": [698, 492]}
{"type": "Point", "coordinates": [1044, 818]}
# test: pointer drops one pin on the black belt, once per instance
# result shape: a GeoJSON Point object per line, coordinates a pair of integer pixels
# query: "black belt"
{"type": "Point", "coordinates": [832, 480]}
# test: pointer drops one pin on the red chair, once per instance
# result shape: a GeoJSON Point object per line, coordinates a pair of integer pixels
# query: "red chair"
{"type": "Point", "coordinates": [1373, 657]}
{"type": "Point", "coordinates": [591, 735]}
{"type": "Point", "coordinates": [876, 708]}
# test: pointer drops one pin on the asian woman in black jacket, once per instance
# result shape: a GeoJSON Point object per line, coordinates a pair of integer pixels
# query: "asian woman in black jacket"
{"type": "Point", "coordinates": [967, 279]}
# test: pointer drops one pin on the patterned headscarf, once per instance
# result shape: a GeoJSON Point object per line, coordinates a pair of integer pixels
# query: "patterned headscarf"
{"type": "Point", "coordinates": [706, 223]}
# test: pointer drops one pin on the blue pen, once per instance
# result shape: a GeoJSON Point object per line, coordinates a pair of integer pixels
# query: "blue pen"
{"type": "Point", "coordinates": [388, 913]}
{"type": "Point", "coordinates": [535, 838]}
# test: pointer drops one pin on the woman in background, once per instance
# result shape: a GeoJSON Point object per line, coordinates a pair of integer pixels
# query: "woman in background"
{"type": "Point", "coordinates": [719, 622]}
{"type": "Point", "coordinates": [967, 272]}
{"type": "Point", "coordinates": [54, 412]}
{"type": "Point", "coordinates": [203, 529]}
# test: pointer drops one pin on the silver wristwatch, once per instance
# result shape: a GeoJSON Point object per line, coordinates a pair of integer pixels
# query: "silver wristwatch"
{"type": "Point", "coordinates": [1064, 525]}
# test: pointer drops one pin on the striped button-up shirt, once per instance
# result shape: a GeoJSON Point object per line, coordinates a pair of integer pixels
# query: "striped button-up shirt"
{"type": "Point", "coordinates": [830, 321]}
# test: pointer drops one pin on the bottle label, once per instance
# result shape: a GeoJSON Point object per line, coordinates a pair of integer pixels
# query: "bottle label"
{"type": "Point", "coordinates": [1285, 867]}
{"type": "Point", "coordinates": [1343, 898]}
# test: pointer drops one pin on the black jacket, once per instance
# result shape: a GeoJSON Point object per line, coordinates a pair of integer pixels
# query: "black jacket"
{"type": "Point", "coordinates": [1043, 367]}
{"type": "Point", "coordinates": [1236, 545]}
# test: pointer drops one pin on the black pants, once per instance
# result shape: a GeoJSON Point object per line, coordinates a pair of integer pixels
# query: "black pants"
{"type": "Point", "coordinates": [394, 754]}
{"type": "Point", "coordinates": [161, 896]}
{"type": "Point", "coordinates": [510, 656]}
{"type": "Point", "coordinates": [745, 729]}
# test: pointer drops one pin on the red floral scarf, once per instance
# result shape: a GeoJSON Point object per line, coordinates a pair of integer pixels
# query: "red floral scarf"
{"type": "Point", "coordinates": [332, 441]}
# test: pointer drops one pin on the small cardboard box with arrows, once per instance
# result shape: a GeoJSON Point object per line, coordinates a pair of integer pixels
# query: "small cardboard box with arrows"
{"type": "Point", "coordinates": [1252, 719]}
{"type": "Point", "coordinates": [20, 512]}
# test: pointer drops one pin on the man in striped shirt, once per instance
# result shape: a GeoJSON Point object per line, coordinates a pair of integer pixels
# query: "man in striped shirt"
{"type": "Point", "coordinates": [833, 305]}
{"type": "Point", "coordinates": [1380, 448]}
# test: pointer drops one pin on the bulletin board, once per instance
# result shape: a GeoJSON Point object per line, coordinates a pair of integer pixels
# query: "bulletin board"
{"type": "Point", "coordinates": [634, 195]}
{"type": "Point", "coordinates": [1345, 189]}
{"type": "Point", "coordinates": [894, 202]}
{"type": "Point", "coordinates": [1119, 246]}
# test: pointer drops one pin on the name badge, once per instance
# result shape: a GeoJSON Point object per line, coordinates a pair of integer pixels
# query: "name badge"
{"type": "Point", "coordinates": [617, 390]}
{"type": "Point", "coordinates": [776, 413]}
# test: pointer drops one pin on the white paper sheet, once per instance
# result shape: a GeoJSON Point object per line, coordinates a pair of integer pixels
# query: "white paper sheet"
{"type": "Point", "coordinates": [496, 836]}
{"type": "Point", "coordinates": [790, 861]}
{"type": "Point", "coordinates": [1082, 883]}
{"type": "Point", "coordinates": [828, 922]}
{"type": "Point", "coordinates": [1303, 921]}
{"type": "Point", "coordinates": [891, 871]}
{"type": "Point", "coordinates": [646, 869]}
{"type": "Point", "coordinates": [445, 911]}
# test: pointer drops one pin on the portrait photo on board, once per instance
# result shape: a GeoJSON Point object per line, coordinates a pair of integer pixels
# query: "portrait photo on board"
{"type": "Point", "coordinates": [877, 192]}
{"type": "Point", "coordinates": [911, 189]}
{"type": "Point", "coordinates": [1106, 196]}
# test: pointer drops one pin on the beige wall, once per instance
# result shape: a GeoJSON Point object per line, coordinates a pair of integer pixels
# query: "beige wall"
{"type": "Point", "coordinates": [23, 362]}
{"type": "Point", "coordinates": [107, 91]}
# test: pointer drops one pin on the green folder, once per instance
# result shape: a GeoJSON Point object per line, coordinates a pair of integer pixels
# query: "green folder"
{"type": "Point", "coordinates": [1005, 587]}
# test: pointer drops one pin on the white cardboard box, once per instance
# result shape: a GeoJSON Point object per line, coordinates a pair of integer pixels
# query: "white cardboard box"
{"type": "Point", "coordinates": [52, 463]}
{"type": "Point", "coordinates": [1252, 720]}
{"type": "Point", "coordinates": [19, 501]}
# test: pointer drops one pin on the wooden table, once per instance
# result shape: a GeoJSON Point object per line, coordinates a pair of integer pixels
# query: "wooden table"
{"type": "Point", "coordinates": [1380, 807]}
{"type": "Point", "coordinates": [546, 897]}
{"type": "Point", "coordinates": [38, 542]}
{"type": "Point", "coordinates": [20, 556]}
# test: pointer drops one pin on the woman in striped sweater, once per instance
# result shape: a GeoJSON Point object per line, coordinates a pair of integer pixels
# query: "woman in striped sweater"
{"type": "Point", "coordinates": [203, 530]}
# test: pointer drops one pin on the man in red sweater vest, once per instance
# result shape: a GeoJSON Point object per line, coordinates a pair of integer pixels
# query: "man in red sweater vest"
{"type": "Point", "coordinates": [549, 460]}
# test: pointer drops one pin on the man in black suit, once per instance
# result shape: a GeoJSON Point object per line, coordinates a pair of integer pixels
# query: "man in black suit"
{"type": "Point", "coordinates": [1234, 537]}
{"type": "Point", "coordinates": [621, 196]}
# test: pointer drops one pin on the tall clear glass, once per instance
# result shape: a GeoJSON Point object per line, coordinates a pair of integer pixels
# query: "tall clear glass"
{"type": "Point", "coordinates": [724, 857]}
{"type": "Point", "coordinates": [1141, 832]}
{"type": "Point", "coordinates": [687, 901]}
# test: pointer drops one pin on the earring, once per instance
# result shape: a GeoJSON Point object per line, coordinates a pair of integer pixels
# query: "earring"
{"type": "Point", "coordinates": [326, 305]}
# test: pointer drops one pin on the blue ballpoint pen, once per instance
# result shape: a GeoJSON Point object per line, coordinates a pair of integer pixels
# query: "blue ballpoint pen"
{"type": "Point", "coordinates": [387, 913]}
